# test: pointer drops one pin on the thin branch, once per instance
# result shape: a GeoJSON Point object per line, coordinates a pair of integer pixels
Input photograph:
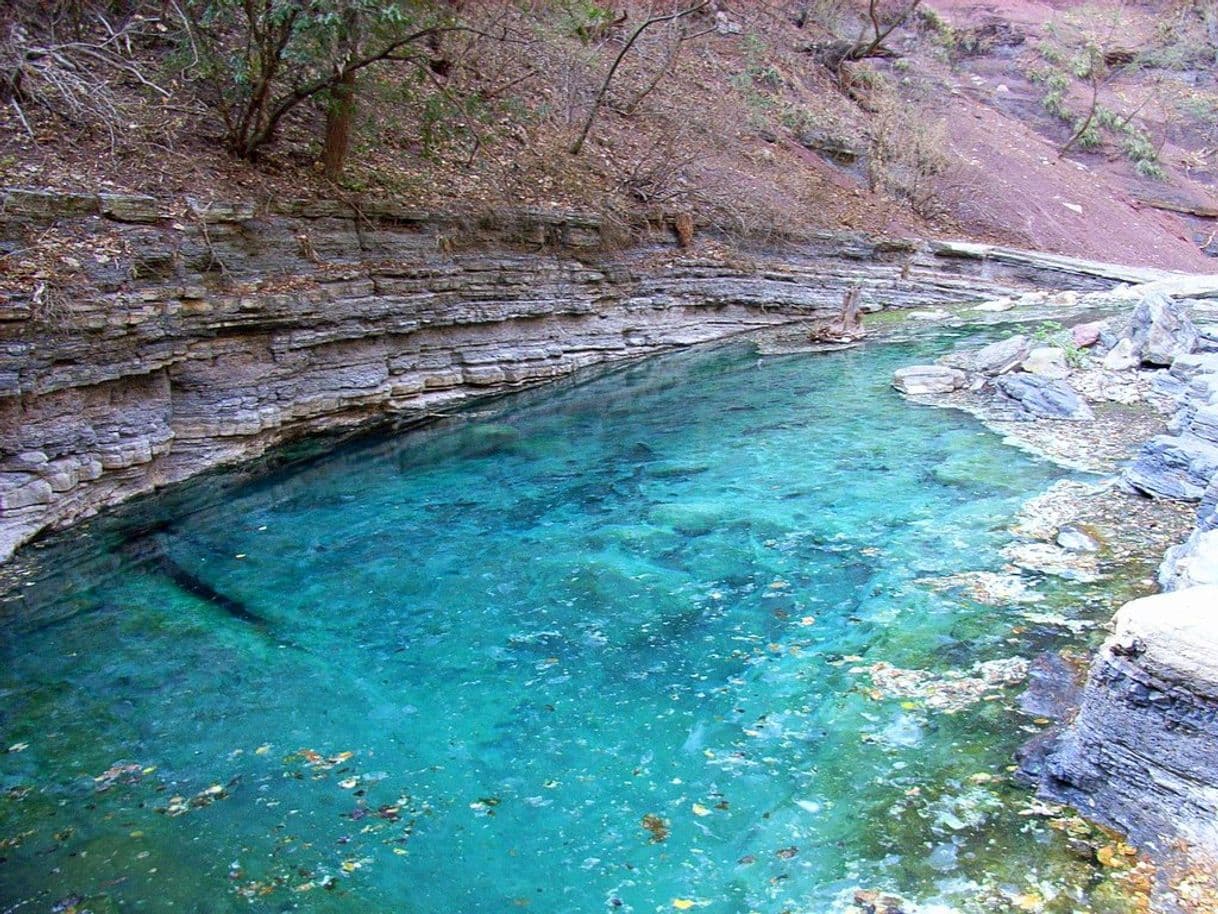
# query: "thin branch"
{"type": "Point", "coordinates": [600, 95]}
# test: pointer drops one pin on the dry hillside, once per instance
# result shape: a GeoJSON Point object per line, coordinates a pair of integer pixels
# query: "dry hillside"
{"type": "Point", "coordinates": [1082, 128]}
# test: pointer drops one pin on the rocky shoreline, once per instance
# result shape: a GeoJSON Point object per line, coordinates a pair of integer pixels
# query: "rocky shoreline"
{"type": "Point", "coordinates": [147, 340]}
{"type": "Point", "coordinates": [1131, 396]}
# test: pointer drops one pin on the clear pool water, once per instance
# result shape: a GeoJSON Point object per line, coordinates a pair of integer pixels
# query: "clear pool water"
{"type": "Point", "coordinates": [589, 651]}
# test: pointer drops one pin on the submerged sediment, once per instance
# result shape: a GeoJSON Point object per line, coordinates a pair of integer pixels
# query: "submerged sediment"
{"type": "Point", "coordinates": [1136, 747]}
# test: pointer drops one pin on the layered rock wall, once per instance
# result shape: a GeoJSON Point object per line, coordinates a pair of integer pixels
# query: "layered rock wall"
{"type": "Point", "coordinates": [1140, 754]}
{"type": "Point", "coordinates": [162, 338]}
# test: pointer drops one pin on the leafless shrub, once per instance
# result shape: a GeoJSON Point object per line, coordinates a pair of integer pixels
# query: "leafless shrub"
{"type": "Point", "coordinates": [75, 80]}
{"type": "Point", "coordinates": [909, 150]}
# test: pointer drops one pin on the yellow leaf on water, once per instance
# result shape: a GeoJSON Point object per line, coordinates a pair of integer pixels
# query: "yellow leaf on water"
{"type": "Point", "coordinates": [1028, 902]}
{"type": "Point", "coordinates": [683, 904]}
{"type": "Point", "coordinates": [700, 810]}
{"type": "Point", "coordinates": [263, 749]}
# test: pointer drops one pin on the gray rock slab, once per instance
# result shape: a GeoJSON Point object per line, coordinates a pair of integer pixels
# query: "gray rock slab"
{"type": "Point", "coordinates": [1044, 398]}
{"type": "Point", "coordinates": [1174, 467]}
{"type": "Point", "coordinates": [994, 359]}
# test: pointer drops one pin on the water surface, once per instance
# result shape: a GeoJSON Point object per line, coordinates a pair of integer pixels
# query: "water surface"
{"type": "Point", "coordinates": [596, 649]}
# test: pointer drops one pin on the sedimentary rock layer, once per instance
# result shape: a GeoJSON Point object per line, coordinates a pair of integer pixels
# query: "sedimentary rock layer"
{"type": "Point", "coordinates": [1140, 753]}
{"type": "Point", "coordinates": [162, 338]}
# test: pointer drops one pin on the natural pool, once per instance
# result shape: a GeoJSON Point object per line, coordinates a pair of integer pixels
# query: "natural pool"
{"type": "Point", "coordinates": [597, 648]}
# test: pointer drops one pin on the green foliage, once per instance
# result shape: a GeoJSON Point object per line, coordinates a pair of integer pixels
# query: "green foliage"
{"type": "Point", "coordinates": [258, 61]}
{"type": "Point", "coordinates": [760, 80]}
{"type": "Point", "coordinates": [1052, 333]}
{"type": "Point", "coordinates": [584, 19]}
{"type": "Point", "coordinates": [1088, 137]}
{"type": "Point", "coordinates": [1200, 108]}
{"type": "Point", "coordinates": [1050, 53]}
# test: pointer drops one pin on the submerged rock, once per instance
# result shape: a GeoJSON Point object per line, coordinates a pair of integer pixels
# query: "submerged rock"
{"type": "Point", "coordinates": [1072, 539]}
{"type": "Point", "coordinates": [928, 379]}
{"type": "Point", "coordinates": [948, 692]}
{"type": "Point", "coordinates": [1044, 398]}
{"type": "Point", "coordinates": [1047, 558]}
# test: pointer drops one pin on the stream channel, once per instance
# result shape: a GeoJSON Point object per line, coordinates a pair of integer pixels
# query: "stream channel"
{"type": "Point", "coordinates": [601, 646]}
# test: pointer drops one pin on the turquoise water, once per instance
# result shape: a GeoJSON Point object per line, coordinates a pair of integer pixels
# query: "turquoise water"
{"type": "Point", "coordinates": [589, 650]}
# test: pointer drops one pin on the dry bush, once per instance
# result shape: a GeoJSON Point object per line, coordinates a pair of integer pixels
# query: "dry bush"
{"type": "Point", "coordinates": [77, 62]}
{"type": "Point", "coordinates": [910, 149]}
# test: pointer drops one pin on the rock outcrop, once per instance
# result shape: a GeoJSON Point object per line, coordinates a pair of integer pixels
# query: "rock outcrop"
{"type": "Point", "coordinates": [1142, 752]}
{"type": "Point", "coordinates": [1043, 397]}
{"type": "Point", "coordinates": [162, 338]}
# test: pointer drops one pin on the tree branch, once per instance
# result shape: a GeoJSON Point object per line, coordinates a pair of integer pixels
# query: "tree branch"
{"type": "Point", "coordinates": [600, 95]}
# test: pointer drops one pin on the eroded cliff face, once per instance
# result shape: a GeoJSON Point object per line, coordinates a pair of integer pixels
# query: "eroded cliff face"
{"type": "Point", "coordinates": [173, 337]}
{"type": "Point", "coordinates": [1140, 753]}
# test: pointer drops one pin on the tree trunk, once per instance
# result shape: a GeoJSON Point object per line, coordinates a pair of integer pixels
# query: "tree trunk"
{"type": "Point", "coordinates": [340, 115]}
{"type": "Point", "coordinates": [339, 118]}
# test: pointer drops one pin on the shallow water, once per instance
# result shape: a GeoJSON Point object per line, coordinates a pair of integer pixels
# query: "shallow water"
{"type": "Point", "coordinates": [595, 650]}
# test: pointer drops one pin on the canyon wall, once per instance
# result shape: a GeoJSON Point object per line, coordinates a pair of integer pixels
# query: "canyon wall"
{"type": "Point", "coordinates": [162, 338]}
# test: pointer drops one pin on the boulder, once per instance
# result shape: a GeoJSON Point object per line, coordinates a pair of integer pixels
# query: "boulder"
{"type": "Point", "coordinates": [1160, 330]}
{"type": "Point", "coordinates": [1174, 467]}
{"type": "Point", "coordinates": [1191, 365]}
{"type": "Point", "coordinates": [1044, 398]}
{"type": "Point", "coordinates": [1141, 754]}
{"type": "Point", "coordinates": [1048, 362]}
{"type": "Point", "coordinates": [1207, 514]}
{"type": "Point", "coordinates": [1085, 335]}
{"type": "Point", "coordinates": [994, 359]}
{"type": "Point", "coordinates": [928, 379]}
{"type": "Point", "coordinates": [1207, 337]}
{"type": "Point", "coordinates": [1121, 357]}
{"type": "Point", "coordinates": [1191, 564]}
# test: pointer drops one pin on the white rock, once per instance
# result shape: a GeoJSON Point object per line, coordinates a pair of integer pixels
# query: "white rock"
{"type": "Point", "coordinates": [1198, 563]}
{"type": "Point", "coordinates": [928, 379]}
{"type": "Point", "coordinates": [1174, 635]}
{"type": "Point", "coordinates": [930, 314]}
{"type": "Point", "coordinates": [1048, 362]}
{"type": "Point", "coordinates": [1121, 357]}
{"type": "Point", "coordinates": [1073, 539]}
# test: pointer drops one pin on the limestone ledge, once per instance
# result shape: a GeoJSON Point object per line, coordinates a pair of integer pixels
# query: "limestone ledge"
{"type": "Point", "coordinates": [1140, 752]}
{"type": "Point", "coordinates": [167, 337]}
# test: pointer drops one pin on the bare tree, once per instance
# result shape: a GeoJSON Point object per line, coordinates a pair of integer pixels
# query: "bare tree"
{"type": "Point", "coordinates": [599, 99]}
